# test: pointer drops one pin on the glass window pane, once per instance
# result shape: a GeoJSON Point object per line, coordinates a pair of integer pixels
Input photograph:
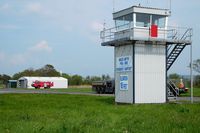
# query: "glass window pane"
{"type": "Point", "coordinates": [123, 22]}
{"type": "Point", "coordinates": [159, 21]}
{"type": "Point", "coordinates": [128, 17]}
{"type": "Point", "coordinates": [142, 20]}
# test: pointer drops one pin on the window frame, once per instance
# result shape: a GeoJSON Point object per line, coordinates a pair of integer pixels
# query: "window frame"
{"type": "Point", "coordinates": [151, 21]}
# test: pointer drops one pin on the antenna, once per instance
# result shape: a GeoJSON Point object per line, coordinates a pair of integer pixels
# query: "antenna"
{"type": "Point", "coordinates": [104, 24]}
{"type": "Point", "coordinates": [103, 33]}
{"type": "Point", "coordinates": [113, 5]}
{"type": "Point", "coordinates": [170, 5]}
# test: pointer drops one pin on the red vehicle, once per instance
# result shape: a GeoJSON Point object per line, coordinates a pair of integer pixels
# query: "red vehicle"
{"type": "Point", "coordinates": [182, 88]}
{"type": "Point", "coordinates": [38, 84]}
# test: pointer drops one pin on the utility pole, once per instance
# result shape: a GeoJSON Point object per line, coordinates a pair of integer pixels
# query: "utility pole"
{"type": "Point", "coordinates": [191, 74]}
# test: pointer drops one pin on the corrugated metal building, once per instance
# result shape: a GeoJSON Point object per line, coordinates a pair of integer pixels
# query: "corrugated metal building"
{"type": "Point", "coordinates": [145, 48]}
{"type": "Point", "coordinates": [58, 82]}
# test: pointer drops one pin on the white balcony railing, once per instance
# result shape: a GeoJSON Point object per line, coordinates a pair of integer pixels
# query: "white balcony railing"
{"type": "Point", "coordinates": [129, 32]}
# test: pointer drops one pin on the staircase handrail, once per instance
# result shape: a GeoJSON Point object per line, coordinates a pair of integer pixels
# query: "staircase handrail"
{"type": "Point", "coordinates": [186, 34]}
{"type": "Point", "coordinates": [175, 89]}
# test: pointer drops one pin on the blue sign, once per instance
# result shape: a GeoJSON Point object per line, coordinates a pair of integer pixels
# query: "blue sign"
{"type": "Point", "coordinates": [123, 82]}
{"type": "Point", "coordinates": [124, 64]}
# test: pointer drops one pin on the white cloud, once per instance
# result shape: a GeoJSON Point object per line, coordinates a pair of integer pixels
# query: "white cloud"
{"type": "Point", "coordinates": [26, 56]}
{"type": "Point", "coordinates": [34, 7]}
{"type": "Point", "coordinates": [41, 46]}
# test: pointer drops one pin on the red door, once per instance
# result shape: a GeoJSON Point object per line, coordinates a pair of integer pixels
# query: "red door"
{"type": "Point", "coordinates": [154, 31]}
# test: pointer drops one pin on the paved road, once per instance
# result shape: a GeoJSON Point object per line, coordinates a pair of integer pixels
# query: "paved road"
{"type": "Point", "coordinates": [32, 91]}
{"type": "Point", "coordinates": [196, 99]}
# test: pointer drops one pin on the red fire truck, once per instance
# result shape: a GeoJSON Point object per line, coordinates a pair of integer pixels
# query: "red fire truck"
{"type": "Point", "coordinates": [42, 84]}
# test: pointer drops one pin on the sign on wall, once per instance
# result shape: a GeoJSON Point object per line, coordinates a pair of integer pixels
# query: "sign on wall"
{"type": "Point", "coordinates": [123, 82]}
{"type": "Point", "coordinates": [124, 64]}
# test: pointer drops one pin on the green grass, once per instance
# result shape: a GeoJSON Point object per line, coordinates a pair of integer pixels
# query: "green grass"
{"type": "Point", "coordinates": [73, 90]}
{"type": "Point", "coordinates": [85, 90]}
{"type": "Point", "coordinates": [196, 92]}
{"type": "Point", "coordinates": [46, 113]}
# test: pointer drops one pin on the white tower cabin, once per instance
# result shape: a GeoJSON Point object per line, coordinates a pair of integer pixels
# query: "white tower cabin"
{"type": "Point", "coordinates": [145, 49]}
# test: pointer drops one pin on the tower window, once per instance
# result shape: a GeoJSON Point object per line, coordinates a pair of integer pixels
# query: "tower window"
{"type": "Point", "coordinates": [142, 20]}
{"type": "Point", "coordinates": [158, 20]}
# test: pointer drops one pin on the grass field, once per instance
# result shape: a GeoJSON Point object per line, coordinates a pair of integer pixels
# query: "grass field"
{"type": "Point", "coordinates": [46, 113]}
{"type": "Point", "coordinates": [85, 90]}
{"type": "Point", "coordinates": [196, 93]}
{"type": "Point", "coordinates": [73, 90]}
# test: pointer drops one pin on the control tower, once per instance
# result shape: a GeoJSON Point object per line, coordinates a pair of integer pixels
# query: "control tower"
{"type": "Point", "coordinates": [145, 48]}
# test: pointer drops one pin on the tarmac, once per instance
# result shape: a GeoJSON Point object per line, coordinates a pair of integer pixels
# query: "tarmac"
{"type": "Point", "coordinates": [45, 91]}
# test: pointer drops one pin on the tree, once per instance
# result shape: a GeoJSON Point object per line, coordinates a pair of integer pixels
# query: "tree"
{"type": "Point", "coordinates": [197, 81]}
{"type": "Point", "coordinates": [5, 78]}
{"type": "Point", "coordinates": [48, 71]}
{"type": "Point", "coordinates": [196, 65]}
{"type": "Point", "coordinates": [87, 80]}
{"type": "Point", "coordinates": [18, 75]}
{"type": "Point", "coordinates": [67, 76]}
{"type": "Point", "coordinates": [95, 78]}
{"type": "Point", "coordinates": [196, 68]}
{"type": "Point", "coordinates": [29, 72]}
{"type": "Point", "coordinates": [174, 76]}
{"type": "Point", "coordinates": [103, 77]}
{"type": "Point", "coordinates": [108, 77]}
{"type": "Point", "coordinates": [76, 80]}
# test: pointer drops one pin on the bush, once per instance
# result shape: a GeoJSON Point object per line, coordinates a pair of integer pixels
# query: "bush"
{"type": "Point", "coordinates": [197, 81]}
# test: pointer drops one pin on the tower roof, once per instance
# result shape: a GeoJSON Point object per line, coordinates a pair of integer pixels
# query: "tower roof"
{"type": "Point", "coordinates": [141, 9]}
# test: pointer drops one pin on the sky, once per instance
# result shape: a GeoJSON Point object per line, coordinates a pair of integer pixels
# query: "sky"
{"type": "Point", "coordinates": [65, 33]}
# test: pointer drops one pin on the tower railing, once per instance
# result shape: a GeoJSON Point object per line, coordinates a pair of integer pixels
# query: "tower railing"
{"type": "Point", "coordinates": [128, 31]}
{"type": "Point", "coordinates": [173, 51]}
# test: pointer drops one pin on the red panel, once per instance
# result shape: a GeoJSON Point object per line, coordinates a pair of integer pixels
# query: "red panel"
{"type": "Point", "coordinates": [154, 31]}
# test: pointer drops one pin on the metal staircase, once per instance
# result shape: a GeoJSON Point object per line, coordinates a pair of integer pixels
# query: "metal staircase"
{"type": "Point", "coordinates": [174, 54]}
{"type": "Point", "coordinates": [172, 90]}
{"type": "Point", "coordinates": [173, 51]}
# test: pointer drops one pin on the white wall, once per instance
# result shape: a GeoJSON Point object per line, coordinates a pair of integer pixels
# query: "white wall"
{"type": "Point", "coordinates": [59, 82]}
{"type": "Point", "coordinates": [124, 96]}
{"type": "Point", "coordinates": [150, 74]}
